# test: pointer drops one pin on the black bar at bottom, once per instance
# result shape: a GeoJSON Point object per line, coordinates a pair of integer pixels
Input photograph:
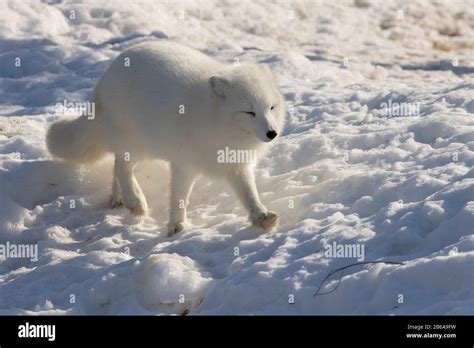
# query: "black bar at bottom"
{"type": "Point", "coordinates": [291, 330]}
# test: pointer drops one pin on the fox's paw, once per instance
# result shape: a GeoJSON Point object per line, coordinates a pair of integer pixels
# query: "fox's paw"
{"type": "Point", "coordinates": [137, 207]}
{"type": "Point", "coordinates": [267, 220]}
{"type": "Point", "coordinates": [115, 201]}
{"type": "Point", "coordinates": [136, 204]}
{"type": "Point", "coordinates": [175, 227]}
{"type": "Point", "coordinates": [138, 211]}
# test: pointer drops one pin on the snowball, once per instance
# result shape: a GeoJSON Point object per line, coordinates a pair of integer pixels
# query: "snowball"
{"type": "Point", "coordinates": [170, 281]}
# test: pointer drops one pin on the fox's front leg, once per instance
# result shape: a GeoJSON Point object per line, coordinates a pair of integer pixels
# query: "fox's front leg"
{"type": "Point", "coordinates": [243, 182]}
{"type": "Point", "coordinates": [182, 180]}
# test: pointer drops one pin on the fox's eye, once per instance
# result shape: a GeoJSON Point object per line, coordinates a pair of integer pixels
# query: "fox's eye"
{"type": "Point", "coordinates": [272, 108]}
{"type": "Point", "coordinates": [251, 113]}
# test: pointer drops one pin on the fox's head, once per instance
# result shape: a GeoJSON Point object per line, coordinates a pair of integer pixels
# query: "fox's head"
{"type": "Point", "coordinates": [249, 96]}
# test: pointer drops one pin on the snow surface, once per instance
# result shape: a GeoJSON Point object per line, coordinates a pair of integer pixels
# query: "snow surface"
{"type": "Point", "coordinates": [343, 171]}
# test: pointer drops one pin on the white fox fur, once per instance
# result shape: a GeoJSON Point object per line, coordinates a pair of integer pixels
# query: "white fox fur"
{"type": "Point", "coordinates": [164, 100]}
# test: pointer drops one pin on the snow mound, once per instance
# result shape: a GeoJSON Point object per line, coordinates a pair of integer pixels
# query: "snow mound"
{"type": "Point", "coordinates": [170, 283]}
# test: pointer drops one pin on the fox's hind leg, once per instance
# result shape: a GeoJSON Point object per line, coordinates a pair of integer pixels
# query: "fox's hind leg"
{"type": "Point", "coordinates": [116, 200]}
{"type": "Point", "coordinates": [125, 189]}
{"type": "Point", "coordinates": [182, 180]}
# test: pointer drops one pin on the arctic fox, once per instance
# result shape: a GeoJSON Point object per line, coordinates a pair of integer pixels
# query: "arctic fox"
{"type": "Point", "coordinates": [164, 100]}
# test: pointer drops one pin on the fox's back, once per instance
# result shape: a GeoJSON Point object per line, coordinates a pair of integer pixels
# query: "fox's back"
{"type": "Point", "coordinates": [169, 61]}
{"type": "Point", "coordinates": [152, 92]}
{"type": "Point", "coordinates": [162, 72]}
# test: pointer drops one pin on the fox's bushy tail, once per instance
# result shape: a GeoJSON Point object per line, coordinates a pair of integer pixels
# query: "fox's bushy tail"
{"type": "Point", "coordinates": [75, 140]}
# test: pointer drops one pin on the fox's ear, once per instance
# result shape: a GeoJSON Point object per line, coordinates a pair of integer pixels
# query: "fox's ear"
{"type": "Point", "coordinates": [219, 86]}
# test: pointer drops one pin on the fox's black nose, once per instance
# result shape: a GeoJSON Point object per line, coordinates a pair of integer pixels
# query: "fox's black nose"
{"type": "Point", "coordinates": [271, 134]}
